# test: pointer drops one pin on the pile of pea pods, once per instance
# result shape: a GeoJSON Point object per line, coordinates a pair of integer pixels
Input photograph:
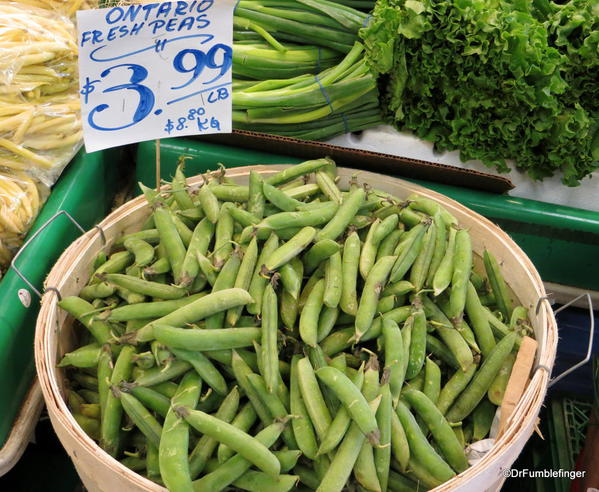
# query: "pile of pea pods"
{"type": "Point", "coordinates": [290, 334]}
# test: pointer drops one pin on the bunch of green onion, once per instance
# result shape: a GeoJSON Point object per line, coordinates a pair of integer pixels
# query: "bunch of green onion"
{"type": "Point", "coordinates": [299, 70]}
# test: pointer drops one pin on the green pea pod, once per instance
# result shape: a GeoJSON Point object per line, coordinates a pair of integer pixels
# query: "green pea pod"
{"type": "Point", "coordinates": [150, 310]}
{"type": "Point", "coordinates": [417, 349]}
{"type": "Point", "coordinates": [328, 187]}
{"type": "Point", "coordinates": [206, 370]}
{"type": "Point", "coordinates": [395, 363]}
{"type": "Point", "coordinates": [275, 407]}
{"type": "Point", "coordinates": [258, 282]}
{"type": "Point", "coordinates": [399, 443]}
{"type": "Point", "coordinates": [292, 276]}
{"type": "Point", "coordinates": [326, 322]}
{"type": "Point", "coordinates": [270, 352]}
{"type": "Point", "coordinates": [421, 265]}
{"type": "Point", "coordinates": [179, 187]}
{"type": "Point", "coordinates": [430, 207]}
{"type": "Point", "coordinates": [439, 248]}
{"type": "Point", "coordinates": [437, 348]}
{"type": "Point", "coordinates": [462, 266]}
{"type": "Point", "coordinates": [440, 429]}
{"type": "Point", "coordinates": [142, 251]}
{"type": "Point", "coordinates": [313, 398]}
{"type": "Point", "coordinates": [302, 218]}
{"type": "Point", "coordinates": [369, 250]}
{"type": "Point", "coordinates": [420, 449]}
{"type": "Point", "coordinates": [209, 203]}
{"type": "Point", "coordinates": [200, 240]}
{"type": "Point", "coordinates": [304, 191]}
{"type": "Point", "coordinates": [288, 310]}
{"type": "Point", "coordinates": [197, 310]}
{"type": "Point", "coordinates": [149, 236]}
{"type": "Point", "coordinates": [112, 412]}
{"type": "Point", "coordinates": [293, 172]}
{"type": "Point", "coordinates": [145, 287]}
{"type": "Point", "coordinates": [410, 245]}
{"type": "Point", "coordinates": [174, 441]}
{"type": "Point", "coordinates": [206, 340]}
{"type": "Point", "coordinates": [374, 285]}
{"type": "Point", "coordinates": [244, 420]}
{"type": "Point", "coordinates": [99, 290]}
{"type": "Point", "coordinates": [351, 398]}
{"type": "Point", "coordinates": [243, 217]}
{"type": "Point", "coordinates": [160, 266]}
{"type": "Point", "coordinates": [444, 272]}
{"type": "Point", "coordinates": [230, 192]}
{"type": "Point", "coordinates": [398, 288]}
{"type": "Point", "coordinates": [341, 422]}
{"type": "Point", "coordinates": [479, 321]}
{"type": "Point", "coordinates": [346, 212]}
{"type": "Point", "coordinates": [454, 387]}
{"type": "Point", "coordinates": [256, 197]}
{"type": "Point", "coordinates": [318, 253]}
{"type": "Point", "coordinates": [247, 446]}
{"type": "Point", "coordinates": [169, 236]}
{"type": "Point", "coordinates": [290, 249]}
{"type": "Point", "coordinates": [432, 380]}
{"type": "Point", "coordinates": [482, 417]}
{"type": "Point", "coordinates": [302, 426]}
{"type": "Point", "coordinates": [255, 481]}
{"type": "Point", "coordinates": [279, 198]}
{"type": "Point", "coordinates": [241, 372]}
{"type": "Point", "coordinates": [382, 454]}
{"type": "Point", "coordinates": [158, 374]}
{"type": "Point", "coordinates": [115, 264]}
{"type": "Point", "coordinates": [236, 466]}
{"type": "Point", "coordinates": [498, 285]}
{"type": "Point", "coordinates": [333, 281]}
{"type": "Point", "coordinates": [104, 372]}
{"type": "Point", "coordinates": [194, 214]}
{"type": "Point", "coordinates": [482, 380]}
{"type": "Point", "coordinates": [84, 312]}
{"type": "Point", "coordinates": [342, 464]}
{"type": "Point", "coordinates": [499, 384]}
{"type": "Point", "coordinates": [206, 445]}
{"type": "Point", "coordinates": [244, 278]}
{"type": "Point", "coordinates": [308, 324]}
{"type": "Point", "coordinates": [450, 336]}
{"type": "Point", "coordinates": [365, 469]}
{"type": "Point", "coordinates": [388, 245]}
{"type": "Point", "coordinates": [152, 399]}
{"type": "Point", "coordinates": [140, 416]}
{"type": "Point", "coordinates": [223, 236]}
{"type": "Point", "coordinates": [86, 356]}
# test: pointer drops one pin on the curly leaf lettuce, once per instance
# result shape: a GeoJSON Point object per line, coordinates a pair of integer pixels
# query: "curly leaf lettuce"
{"type": "Point", "coordinates": [498, 79]}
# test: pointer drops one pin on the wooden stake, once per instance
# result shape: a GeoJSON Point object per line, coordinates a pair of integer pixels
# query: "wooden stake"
{"type": "Point", "coordinates": [157, 164]}
{"type": "Point", "coordinates": [518, 380]}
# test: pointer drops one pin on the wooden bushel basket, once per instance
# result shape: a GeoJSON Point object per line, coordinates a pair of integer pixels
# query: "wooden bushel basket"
{"type": "Point", "coordinates": [101, 472]}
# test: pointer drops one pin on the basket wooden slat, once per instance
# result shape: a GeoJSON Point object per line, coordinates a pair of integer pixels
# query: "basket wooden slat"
{"type": "Point", "coordinates": [100, 472]}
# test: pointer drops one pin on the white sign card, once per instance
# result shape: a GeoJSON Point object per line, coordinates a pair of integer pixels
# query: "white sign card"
{"type": "Point", "coordinates": [155, 70]}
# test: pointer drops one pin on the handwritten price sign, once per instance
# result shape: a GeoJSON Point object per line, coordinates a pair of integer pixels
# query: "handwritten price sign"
{"type": "Point", "coordinates": [155, 70]}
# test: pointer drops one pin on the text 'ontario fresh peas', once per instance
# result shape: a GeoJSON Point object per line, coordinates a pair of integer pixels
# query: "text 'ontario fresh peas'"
{"type": "Point", "coordinates": [155, 70]}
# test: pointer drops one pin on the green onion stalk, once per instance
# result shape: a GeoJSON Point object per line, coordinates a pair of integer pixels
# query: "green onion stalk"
{"type": "Point", "coordinates": [299, 69]}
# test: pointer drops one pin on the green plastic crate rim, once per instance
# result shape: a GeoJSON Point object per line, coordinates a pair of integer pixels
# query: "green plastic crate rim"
{"type": "Point", "coordinates": [85, 191]}
{"type": "Point", "coordinates": [562, 242]}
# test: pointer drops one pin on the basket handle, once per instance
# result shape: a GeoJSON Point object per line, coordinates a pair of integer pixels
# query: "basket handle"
{"type": "Point", "coordinates": [582, 362]}
{"type": "Point", "coordinates": [23, 294]}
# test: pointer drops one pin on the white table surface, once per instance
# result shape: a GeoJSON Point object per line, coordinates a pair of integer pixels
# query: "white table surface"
{"type": "Point", "coordinates": [388, 140]}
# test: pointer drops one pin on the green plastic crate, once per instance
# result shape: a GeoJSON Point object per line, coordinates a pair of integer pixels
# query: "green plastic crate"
{"type": "Point", "coordinates": [85, 191]}
{"type": "Point", "coordinates": [561, 241]}
{"type": "Point", "coordinates": [567, 422]}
